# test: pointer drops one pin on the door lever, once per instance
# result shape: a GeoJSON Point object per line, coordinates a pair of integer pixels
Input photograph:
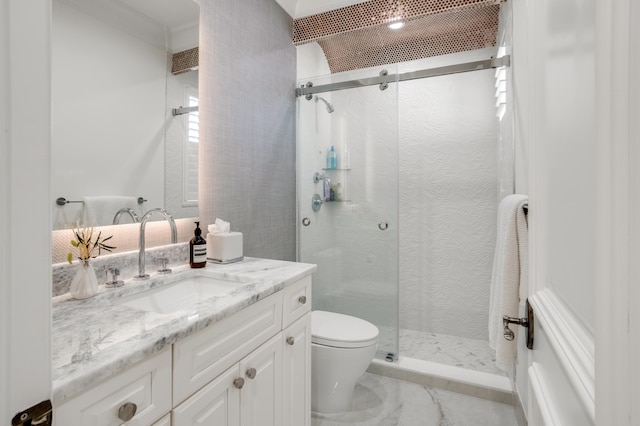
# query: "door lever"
{"type": "Point", "coordinates": [525, 322]}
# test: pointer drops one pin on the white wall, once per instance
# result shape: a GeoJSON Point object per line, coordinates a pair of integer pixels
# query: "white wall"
{"type": "Point", "coordinates": [25, 224]}
{"type": "Point", "coordinates": [109, 113]}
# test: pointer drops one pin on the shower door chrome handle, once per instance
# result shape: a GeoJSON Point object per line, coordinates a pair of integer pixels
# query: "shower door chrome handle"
{"type": "Point", "coordinates": [383, 226]}
{"type": "Point", "coordinates": [316, 202]}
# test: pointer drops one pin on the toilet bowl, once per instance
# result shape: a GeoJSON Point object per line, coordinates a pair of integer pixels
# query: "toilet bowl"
{"type": "Point", "coordinates": [342, 348]}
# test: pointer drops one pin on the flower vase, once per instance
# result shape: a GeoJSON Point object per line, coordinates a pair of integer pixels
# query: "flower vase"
{"type": "Point", "coordinates": [85, 282]}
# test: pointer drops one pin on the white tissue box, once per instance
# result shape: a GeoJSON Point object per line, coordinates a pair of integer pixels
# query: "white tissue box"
{"type": "Point", "coordinates": [224, 247]}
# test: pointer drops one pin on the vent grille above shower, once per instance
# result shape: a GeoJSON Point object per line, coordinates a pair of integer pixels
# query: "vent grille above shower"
{"type": "Point", "coordinates": [357, 36]}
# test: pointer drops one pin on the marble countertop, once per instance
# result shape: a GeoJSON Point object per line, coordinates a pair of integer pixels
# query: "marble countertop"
{"type": "Point", "coordinates": [95, 338]}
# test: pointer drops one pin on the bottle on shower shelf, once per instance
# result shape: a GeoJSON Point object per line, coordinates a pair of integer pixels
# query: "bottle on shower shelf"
{"type": "Point", "coordinates": [332, 158]}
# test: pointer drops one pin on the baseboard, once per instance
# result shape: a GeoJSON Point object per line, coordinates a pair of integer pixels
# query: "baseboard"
{"type": "Point", "coordinates": [518, 407]}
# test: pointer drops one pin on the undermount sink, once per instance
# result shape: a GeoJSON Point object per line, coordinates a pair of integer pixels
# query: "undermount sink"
{"type": "Point", "coordinates": [180, 295]}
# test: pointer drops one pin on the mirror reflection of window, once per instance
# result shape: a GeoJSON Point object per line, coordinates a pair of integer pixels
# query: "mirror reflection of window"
{"type": "Point", "coordinates": [190, 150]}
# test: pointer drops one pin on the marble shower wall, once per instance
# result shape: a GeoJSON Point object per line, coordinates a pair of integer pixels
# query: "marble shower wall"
{"type": "Point", "coordinates": [247, 111]}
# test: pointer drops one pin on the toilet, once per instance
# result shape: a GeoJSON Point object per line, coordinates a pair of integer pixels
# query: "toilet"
{"type": "Point", "coordinates": [342, 348]}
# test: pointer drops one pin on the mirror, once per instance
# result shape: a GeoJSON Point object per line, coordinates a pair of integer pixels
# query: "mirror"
{"type": "Point", "coordinates": [115, 140]}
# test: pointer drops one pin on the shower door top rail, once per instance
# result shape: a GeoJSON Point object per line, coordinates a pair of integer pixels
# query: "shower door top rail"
{"type": "Point", "coordinates": [309, 89]}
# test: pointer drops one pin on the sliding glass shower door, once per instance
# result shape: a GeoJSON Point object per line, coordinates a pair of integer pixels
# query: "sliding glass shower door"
{"type": "Point", "coordinates": [348, 209]}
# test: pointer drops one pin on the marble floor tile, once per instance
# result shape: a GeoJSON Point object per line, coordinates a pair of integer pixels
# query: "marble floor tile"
{"type": "Point", "coordinates": [456, 351]}
{"type": "Point", "coordinates": [383, 401]}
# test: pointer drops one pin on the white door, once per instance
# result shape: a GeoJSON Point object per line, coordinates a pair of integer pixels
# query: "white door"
{"type": "Point", "coordinates": [25, 203]}
{"type": "Point", "coordinates": [561, 115]}
{"type": "Point", "coordinates": [261, 397]}
{"type": "Point", "coordinates": [572, 89]}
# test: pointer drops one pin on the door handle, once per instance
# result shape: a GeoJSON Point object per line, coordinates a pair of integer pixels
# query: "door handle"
{"type": "Point", "coordinates": [527, 322]}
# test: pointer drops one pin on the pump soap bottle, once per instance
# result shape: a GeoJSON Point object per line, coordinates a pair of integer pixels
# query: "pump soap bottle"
{"type": "Point", "coordinates": [198, 249]}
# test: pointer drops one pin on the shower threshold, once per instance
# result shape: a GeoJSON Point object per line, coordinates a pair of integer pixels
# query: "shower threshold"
{"type": "Point", "coordinates": [461, 365]}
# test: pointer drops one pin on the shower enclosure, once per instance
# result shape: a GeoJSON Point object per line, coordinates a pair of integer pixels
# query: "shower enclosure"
{"type": "Point", "coordinates": [352, 236]}
{"type": "Point", "coordinates": [422, 166]}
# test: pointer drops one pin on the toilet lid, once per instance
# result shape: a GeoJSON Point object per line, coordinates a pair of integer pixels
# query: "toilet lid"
{"type": "Point", "coordinates": [341, 331]}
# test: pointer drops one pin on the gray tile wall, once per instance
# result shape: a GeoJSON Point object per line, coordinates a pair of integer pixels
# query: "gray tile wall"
{"type": "Point", "coordinates": [247, 110]}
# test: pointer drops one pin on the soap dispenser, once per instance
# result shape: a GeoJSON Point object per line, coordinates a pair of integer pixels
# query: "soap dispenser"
{"type": "Point", "coordinates": [198, 249]}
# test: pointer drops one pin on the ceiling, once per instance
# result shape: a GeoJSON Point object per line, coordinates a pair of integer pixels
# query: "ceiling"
{"type": "Point", "coordinates": [167, 24]}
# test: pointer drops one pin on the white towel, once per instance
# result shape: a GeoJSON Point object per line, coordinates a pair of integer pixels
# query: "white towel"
{"type": "Point", "coordinates": [100, 210]}
{"type": "Point", "coordinates": [509, 281]}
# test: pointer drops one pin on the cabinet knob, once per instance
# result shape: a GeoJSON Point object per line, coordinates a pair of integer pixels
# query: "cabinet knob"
{"type": "Point", "coordinates": [127, 411]}
{"type": "Point", "coordinates": [238, 383]}
{"type": "Point", "coordinates": [302, 299]}
{"type": "Point", "coordinates": [291, 341]}
{"type": "Point", "coordinates": [251, 373]}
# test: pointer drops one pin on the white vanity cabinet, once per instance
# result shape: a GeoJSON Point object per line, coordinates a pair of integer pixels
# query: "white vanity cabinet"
{"type": "Point", "coordinates": [144, 389]}
{"type": "Point", "coordinates": [252, 368]}
{"type": "Point", "coordinates": [270, 385]}
{"type": "Point", "coordinates": [248, 394]}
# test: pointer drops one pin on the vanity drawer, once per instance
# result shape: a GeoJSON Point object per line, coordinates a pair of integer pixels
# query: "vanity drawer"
{"type": "Point", "coordinates": [200, 358]}
{"type": "Point", "coordinates": [147, 385]}
{"type": "Point", "coordinates": [297, 301]}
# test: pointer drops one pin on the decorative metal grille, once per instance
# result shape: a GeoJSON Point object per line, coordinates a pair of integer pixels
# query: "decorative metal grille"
{"type": "Point", "coordinates": [358, 36]}
{"type": "Point", "coordinates": [185, 61]}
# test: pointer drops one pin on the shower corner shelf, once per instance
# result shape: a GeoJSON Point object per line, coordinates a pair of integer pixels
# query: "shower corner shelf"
{"type": "Point", "coordinates": [337, 169]}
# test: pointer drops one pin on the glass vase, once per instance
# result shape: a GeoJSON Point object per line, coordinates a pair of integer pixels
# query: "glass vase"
{"type": "Point", "coordinates": [85, 282]}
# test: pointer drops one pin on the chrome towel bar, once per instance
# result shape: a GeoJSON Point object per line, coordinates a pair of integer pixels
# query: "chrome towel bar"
{"type": "Point", "coordinates": [61, 201]}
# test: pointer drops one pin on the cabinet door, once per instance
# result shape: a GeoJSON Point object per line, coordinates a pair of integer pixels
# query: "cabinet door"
{"type": "Point", "coordinates": [218, 403]}
{"type": "Point", "coordinates": [296, 362]}
{"type": "Point", "coordinates": [261, 397]}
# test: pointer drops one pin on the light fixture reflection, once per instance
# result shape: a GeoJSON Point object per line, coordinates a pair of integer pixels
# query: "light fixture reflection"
{"type": "Point", "coordinates": [396, 25]}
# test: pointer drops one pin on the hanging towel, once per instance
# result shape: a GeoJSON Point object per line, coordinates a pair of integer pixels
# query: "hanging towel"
{"type": "Point", "coordinates": [509, 281]}
{"type": "Point", "coordinates": [100, 210]}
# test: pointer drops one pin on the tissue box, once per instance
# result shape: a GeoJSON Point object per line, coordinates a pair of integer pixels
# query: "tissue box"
{"type": "Point", "coordinates": [224, 247]}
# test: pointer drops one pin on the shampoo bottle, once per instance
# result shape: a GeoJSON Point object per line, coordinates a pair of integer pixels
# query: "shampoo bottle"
{"type": "Point", "coordinates": [198, 249]}
{"type": "Point", "coordinates": [332, 158]}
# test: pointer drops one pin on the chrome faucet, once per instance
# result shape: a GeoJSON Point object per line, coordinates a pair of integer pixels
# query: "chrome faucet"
{"type": "Point", "coordinates": [129, 211]}
{"type": "Point", "coordinates": [143, 222]}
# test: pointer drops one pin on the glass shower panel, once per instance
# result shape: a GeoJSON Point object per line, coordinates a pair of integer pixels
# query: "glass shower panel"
{"type": "Point", "coordinates": [352, 237]}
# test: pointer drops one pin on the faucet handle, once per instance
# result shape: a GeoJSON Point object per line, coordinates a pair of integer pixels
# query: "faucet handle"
{"type": "Point", "coordinates": [163, 262]}
{"type": "Point", "coordinates": [114, 279]}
